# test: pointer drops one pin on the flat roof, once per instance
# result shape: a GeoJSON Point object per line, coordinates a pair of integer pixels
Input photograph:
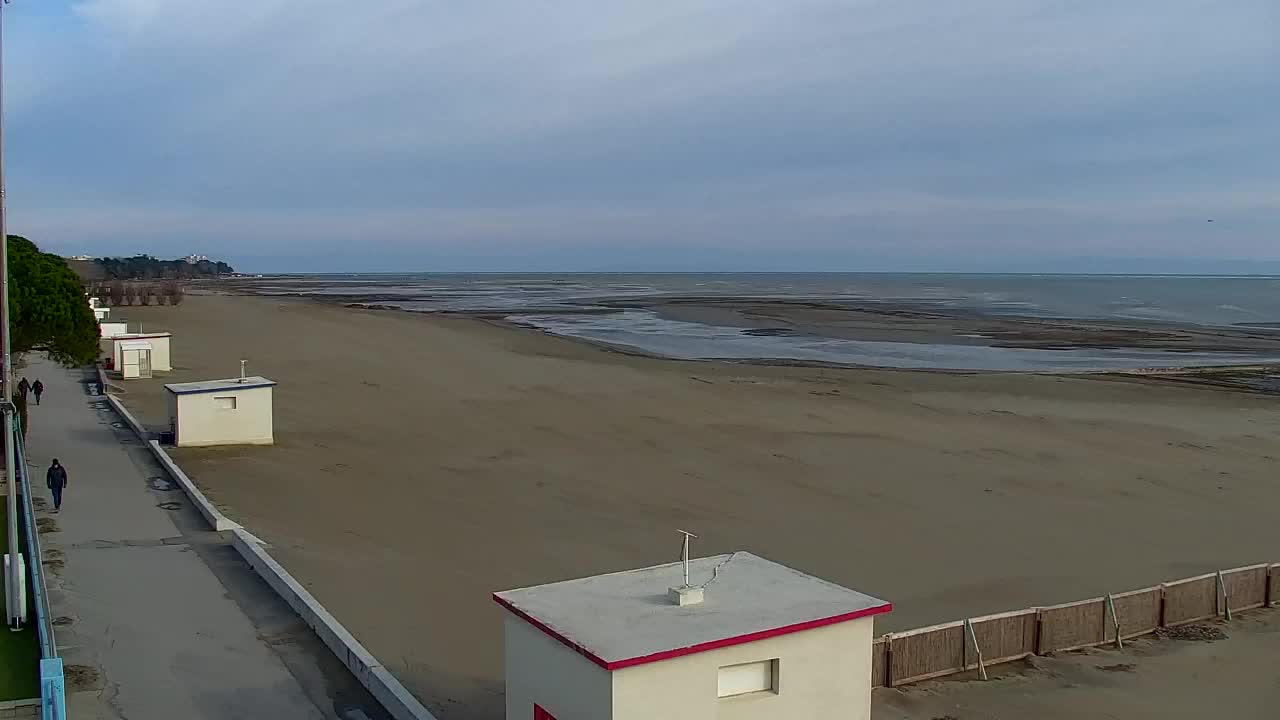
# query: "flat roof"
{"type": "Point", "coordinates": [625, 619]}
{"type": "Point", "coordinates": [208, 386]}
{"type": "Point", "coordinates": [135, 336]}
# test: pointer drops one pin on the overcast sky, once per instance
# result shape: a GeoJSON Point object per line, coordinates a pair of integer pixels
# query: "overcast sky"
{"type": "Point", "coordinates": [651, 135]}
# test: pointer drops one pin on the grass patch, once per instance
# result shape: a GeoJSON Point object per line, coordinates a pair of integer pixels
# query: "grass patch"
{"type": "Point", "coordinates": [19, 651]}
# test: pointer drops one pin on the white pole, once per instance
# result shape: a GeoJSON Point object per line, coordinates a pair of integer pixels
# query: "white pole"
{"type": "Point", "coordinates": [684, 554]}
{"type": "Point", "coordinates": [13, 601]}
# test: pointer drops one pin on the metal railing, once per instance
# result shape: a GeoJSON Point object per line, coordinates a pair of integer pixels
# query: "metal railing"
{"type": "Point", "coordinates": [52, 682]}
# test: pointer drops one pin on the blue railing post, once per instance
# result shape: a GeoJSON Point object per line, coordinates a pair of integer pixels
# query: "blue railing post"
{"type": "Point", "coordinates": [53, 692]}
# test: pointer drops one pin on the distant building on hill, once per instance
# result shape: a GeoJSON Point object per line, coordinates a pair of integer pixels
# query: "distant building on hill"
{"type": "Point", "coordinates": [195, 259]}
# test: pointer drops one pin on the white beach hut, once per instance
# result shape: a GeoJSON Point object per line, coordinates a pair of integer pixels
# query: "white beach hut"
{"type": "Point", "coordinates": [135, 359]}
{"type": "Point", "coordinates": [751, 640]}
{"type": "Point", "coordinates": [222, 412]}
{"type": "Point", "coordinates": [159, 349]}
{"type": "Point", "coordinates": [108, 329]}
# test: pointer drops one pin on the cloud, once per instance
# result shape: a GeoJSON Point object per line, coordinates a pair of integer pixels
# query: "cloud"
{"type": "Point", "coordinates": [413, 128]}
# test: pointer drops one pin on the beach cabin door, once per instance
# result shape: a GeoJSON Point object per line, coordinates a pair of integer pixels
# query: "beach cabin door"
{"type": "Point", "coordinates": [144, 363]}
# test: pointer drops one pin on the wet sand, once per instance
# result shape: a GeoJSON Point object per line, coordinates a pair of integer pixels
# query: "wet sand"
{"type": "Point", "coordinates": [423, 462]}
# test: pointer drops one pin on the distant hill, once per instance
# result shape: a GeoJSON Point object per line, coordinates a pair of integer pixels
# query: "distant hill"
{"type": "Point", "coordinates": [146, 267]}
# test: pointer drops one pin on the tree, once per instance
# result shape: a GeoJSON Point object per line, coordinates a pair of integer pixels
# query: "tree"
{"type": "Point", "coordinates": [47, 308]}
{"type": "Point", "coordinates": [117, 292]}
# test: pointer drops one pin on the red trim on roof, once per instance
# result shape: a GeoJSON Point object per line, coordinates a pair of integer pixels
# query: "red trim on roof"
{"type": "Point", "coordinates": [692, 649]}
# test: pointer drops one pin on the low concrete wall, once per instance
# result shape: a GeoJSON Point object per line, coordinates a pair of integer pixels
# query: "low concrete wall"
{"type": "Point", "coordinates": [211, 514]}
{"type": "Point", "coordinates": [379, 681]}
{"type": "Point", "coordinates": [127, 416]}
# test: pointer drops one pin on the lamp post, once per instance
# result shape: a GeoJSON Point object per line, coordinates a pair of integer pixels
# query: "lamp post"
{"type": "Point", "coordinates": [13, 595]}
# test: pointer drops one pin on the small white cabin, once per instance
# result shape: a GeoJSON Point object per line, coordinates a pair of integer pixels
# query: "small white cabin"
{"type": "Point", "coordinates": [222, 412]}
{"type": "Point", "coordinates": [745, 639]}
{"type": "Point", "coordinates": [135, 359]}
{"type": "Point", "coordinates": [159, 349]}
{"type": "Point", "coordinates": [108, 329]}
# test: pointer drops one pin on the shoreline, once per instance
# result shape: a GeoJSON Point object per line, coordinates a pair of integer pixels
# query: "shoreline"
{"type": "Point", "coordinates": [829, 332]}
{"type": "Point", "coordinates": [504, 320]}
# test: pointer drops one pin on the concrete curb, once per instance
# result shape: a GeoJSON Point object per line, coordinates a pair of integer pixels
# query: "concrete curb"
{"type": "Point", "coordinates": [211, 513]}
{"type": "Point", "coordinates": [363, 665]}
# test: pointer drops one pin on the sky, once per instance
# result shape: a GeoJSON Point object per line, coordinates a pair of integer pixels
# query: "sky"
{"type": "Point", "coordinates": [547, 135]}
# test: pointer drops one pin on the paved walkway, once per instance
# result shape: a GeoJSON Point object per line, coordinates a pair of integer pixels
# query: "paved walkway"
{"type": "Point", "coordinates": [159, 617]}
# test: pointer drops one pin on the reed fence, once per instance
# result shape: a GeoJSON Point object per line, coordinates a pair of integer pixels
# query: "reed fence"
{"type": "Point", "coordinates": [977, 643]}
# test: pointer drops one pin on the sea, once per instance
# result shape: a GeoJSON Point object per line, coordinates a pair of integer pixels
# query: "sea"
{"type": "Point", "coordinates": [570, 305]}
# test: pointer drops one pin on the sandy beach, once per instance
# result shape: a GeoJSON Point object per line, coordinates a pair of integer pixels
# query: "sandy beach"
{"type": "Point", "coordinates": [423, 462]}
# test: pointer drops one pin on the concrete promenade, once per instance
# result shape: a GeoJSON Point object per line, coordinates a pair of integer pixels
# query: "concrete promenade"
{"type": "Point", "coordinates": [158, 616]}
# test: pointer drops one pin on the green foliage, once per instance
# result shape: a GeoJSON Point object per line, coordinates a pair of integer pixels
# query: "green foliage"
{"type": "Point", "coordinates": [47, 307]}
{"type": "Point", "coordinates": [145, 267]}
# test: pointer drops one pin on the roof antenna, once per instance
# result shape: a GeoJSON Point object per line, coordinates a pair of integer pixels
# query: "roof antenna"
{"type": "Point", "coordinates": [686, 594]}
{"type": "Point", "coordinates": [242, 362]}
{"type": "Point", "coordinates": [684, 553]}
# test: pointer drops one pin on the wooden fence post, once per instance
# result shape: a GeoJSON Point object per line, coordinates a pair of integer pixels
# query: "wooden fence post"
{"type": "Point", "coordinates": [1226, 601]}
{"type": "Point", "coordinates": [1039, 630]}
{"type": "Point", "coordinates": [982, 669]}
{"type": "Point", "coordinates": [1164, 594]}
{"type": "Point", "coordinates": [888, 660]}
{"type": "Point", "coordinates": [1111, 608]}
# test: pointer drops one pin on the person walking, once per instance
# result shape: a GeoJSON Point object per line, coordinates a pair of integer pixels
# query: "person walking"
{"type": "Point", "coordinates": [56, 479]}
{"type": "Point", "coordinates": [24, 387]}
{"type": "Point", "coordinates": [38, 389]}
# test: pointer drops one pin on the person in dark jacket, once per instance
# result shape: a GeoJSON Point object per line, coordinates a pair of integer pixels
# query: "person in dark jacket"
{"type": "Point", "coordinates": [23, 387]}
{"type": "Point", "coordinates": [38, 389]}
{"type": "Point", "coordinates": [56, 479]}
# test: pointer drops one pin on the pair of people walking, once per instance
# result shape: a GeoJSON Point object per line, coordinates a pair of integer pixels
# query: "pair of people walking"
{"type": "Point", "coordinates": [36, 389]}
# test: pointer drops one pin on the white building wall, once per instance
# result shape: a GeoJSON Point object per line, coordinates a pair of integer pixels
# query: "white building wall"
{"type": "Point", "coordinates": [199, 420]}
{"type": "Point", "coordinates": [160, 354]}
{"type": "Point", "coordinates": [543, 670]}
{"type": "Point", "coordinates": [823, 674]}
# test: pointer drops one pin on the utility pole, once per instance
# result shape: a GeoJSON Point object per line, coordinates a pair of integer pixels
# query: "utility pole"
{"type": "Point", "coordinates": [13, 599]}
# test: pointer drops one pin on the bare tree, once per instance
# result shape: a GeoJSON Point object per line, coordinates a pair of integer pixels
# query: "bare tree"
{"type": "Point", "coordinates": [117, 293]}
{"type": "Point", "coordinates": [178, 294]}
{"type": "Point", "coordinates": [130, 293]}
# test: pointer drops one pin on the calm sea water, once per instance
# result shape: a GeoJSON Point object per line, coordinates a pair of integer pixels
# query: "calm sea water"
{"type": "Point", "coordinates": [540, 301]}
